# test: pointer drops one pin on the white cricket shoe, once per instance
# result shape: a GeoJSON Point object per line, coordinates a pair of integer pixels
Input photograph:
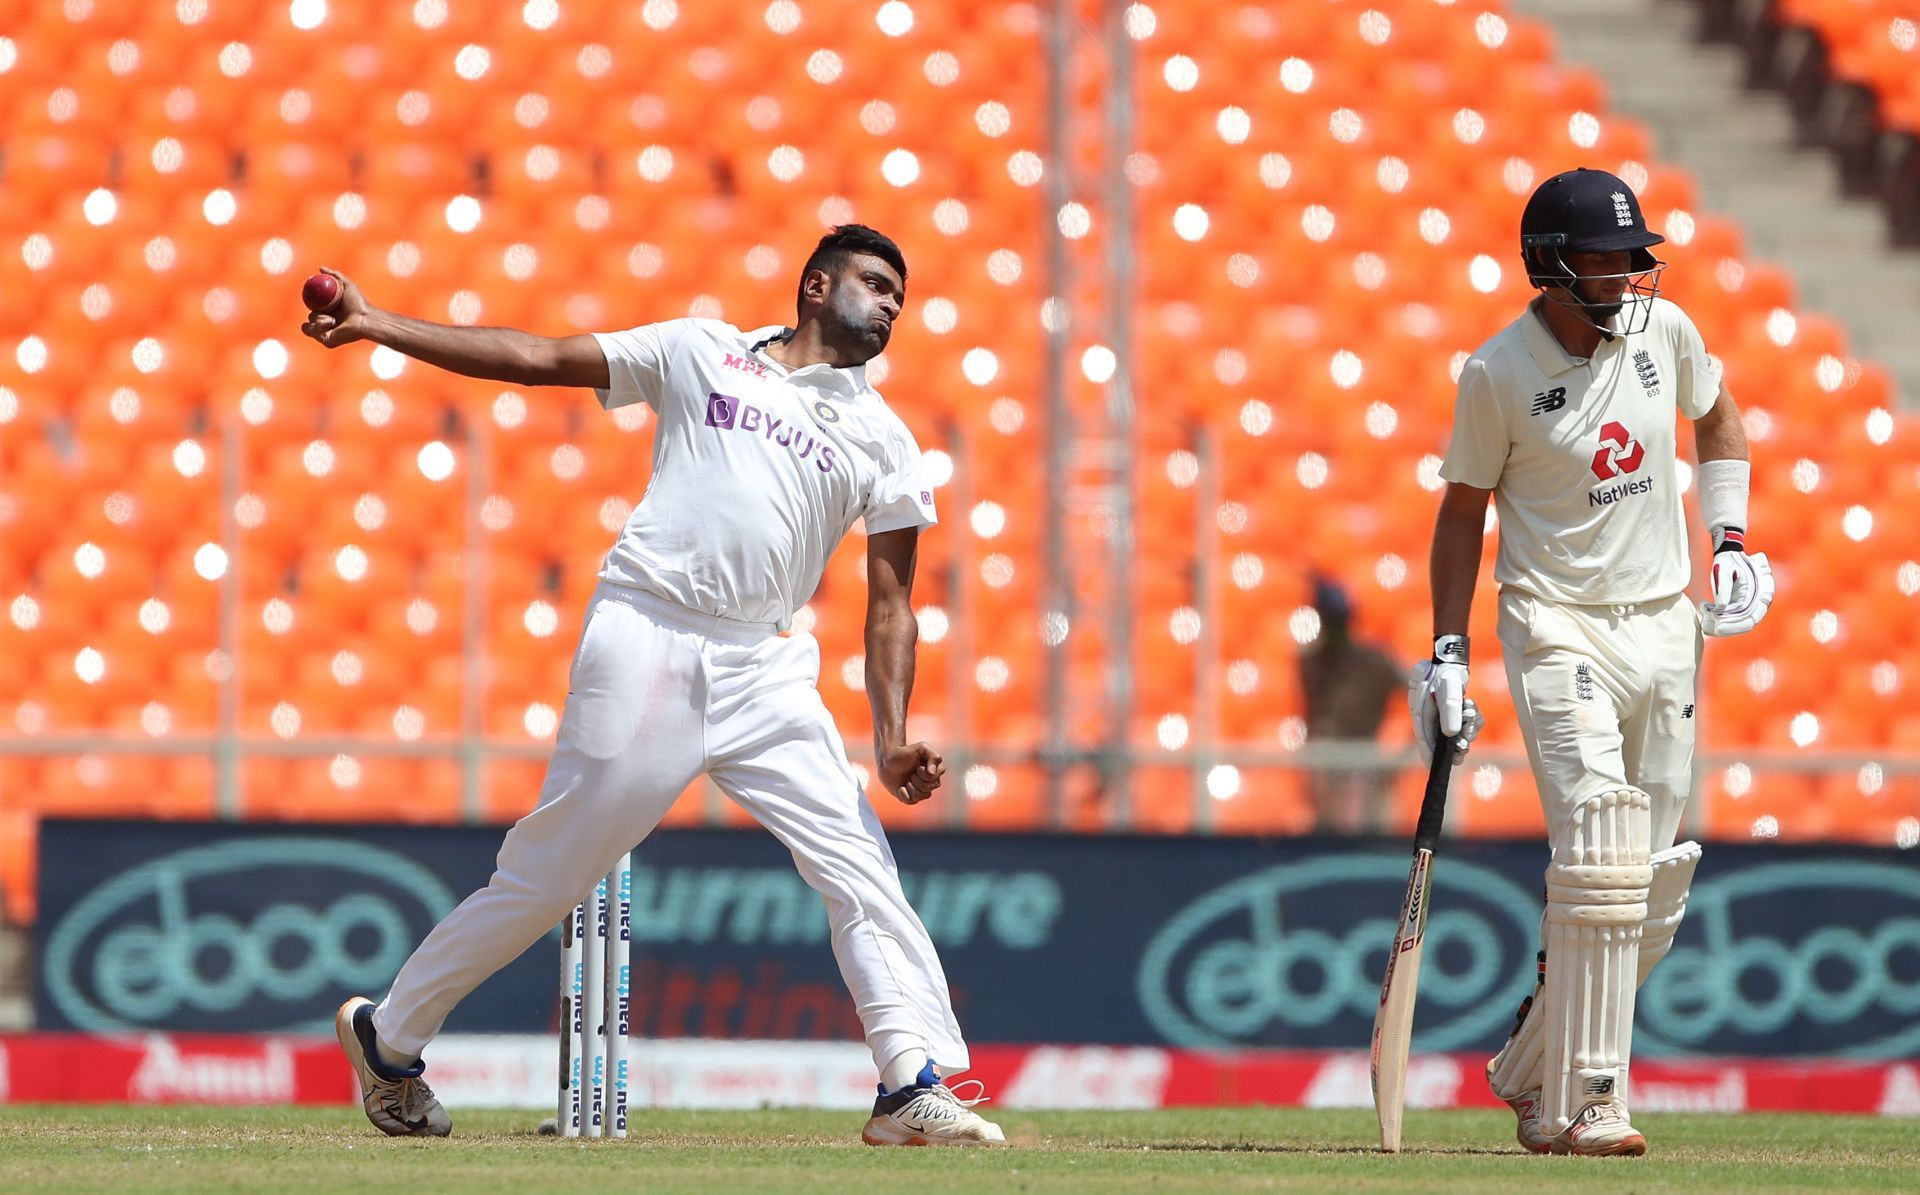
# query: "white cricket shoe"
{"type": "Point", "coordinates": [930, 1114]}
{"type": "Point", "coordinates": [1601, 1130]}
{"type": "Point", "coordinates": [1530, 1132]}
{"type": "Point", "coordinates": [398, 1102]}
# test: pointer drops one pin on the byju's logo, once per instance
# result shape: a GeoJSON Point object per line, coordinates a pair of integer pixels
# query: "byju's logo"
{"type": "Point", "coordinates": [1619, 453]}
{"type": "Point", "coordinates": [256, 935]}
{"type": "Point", "coordinates": [1280, 958]}
{"type": "Point", "coordinates": [730, 414]}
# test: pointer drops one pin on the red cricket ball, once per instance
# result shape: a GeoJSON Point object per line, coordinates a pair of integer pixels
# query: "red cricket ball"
{"type": "Point", "coordinates": [321, 294]}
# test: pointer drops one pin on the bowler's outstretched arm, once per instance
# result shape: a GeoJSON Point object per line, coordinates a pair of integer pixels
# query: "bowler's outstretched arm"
{"type": "Point", "coordinates": [496, 354]}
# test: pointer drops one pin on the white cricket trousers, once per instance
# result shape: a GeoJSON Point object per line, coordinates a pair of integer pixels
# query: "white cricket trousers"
{"type": "Point", "coordinates": [661, 695]}
{"type": "Point", "coordinates": [1606, 699]}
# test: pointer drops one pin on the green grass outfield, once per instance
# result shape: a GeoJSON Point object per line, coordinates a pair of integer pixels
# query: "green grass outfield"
{"type": "Point", "coordinates": [130, 1151]}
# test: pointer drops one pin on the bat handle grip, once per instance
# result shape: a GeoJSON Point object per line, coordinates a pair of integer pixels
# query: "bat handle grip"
{"type": "Point", "coordinates": [1433, 802]}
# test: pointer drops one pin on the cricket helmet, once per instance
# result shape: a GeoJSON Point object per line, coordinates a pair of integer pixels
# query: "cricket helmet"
{"type": "Point", "coordinates": [1589, 211]}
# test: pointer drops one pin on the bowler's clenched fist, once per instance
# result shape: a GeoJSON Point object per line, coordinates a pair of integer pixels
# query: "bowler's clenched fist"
{"type": "Point", "coordinates": [912, 772]}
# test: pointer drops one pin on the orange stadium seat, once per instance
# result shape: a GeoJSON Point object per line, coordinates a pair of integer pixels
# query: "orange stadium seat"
{"type": "Point", "coordinates": [19, 859]}
{"type": "Point", "coordinates": [1325, 201]}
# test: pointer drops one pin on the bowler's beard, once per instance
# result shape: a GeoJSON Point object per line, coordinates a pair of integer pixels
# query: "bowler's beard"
{"type": "Point", "coordinates": [851, 333]}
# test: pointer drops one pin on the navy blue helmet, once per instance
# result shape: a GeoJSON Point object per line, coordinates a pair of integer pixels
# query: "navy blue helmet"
{"type": "Point", "coordinates": [1589, 211]}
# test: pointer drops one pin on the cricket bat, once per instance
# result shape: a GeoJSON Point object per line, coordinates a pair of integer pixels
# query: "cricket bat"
{"type": "Point", "coordinates": [1393, 1023]}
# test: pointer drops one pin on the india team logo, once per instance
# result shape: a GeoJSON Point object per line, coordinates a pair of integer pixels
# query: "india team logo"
{"type": "Point", "coordinates": [1619, 452]}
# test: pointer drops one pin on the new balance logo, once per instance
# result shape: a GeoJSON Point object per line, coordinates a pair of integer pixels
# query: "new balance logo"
{"type": "Point", "coordinates": [1552, 400]}
{"type": "Point", "coordinates": [1600, 1085]}
{"type": "Point", "coordinates": [1686, 711]}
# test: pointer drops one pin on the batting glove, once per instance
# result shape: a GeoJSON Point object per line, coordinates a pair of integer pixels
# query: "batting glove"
{"type": "Point", "coordinates": [1440, 685]}
{"type": "Point", "coordinates": [1742, 588]}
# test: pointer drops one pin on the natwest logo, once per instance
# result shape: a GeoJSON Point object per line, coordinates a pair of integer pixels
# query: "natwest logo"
{"type": "Point", "coordinates": [1619, 453]}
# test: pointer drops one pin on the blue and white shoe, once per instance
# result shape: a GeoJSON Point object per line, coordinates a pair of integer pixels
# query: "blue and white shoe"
{"type": "Point", "coordinates": [930, 1113]}
{"type": "Point", "coordinates": [398, 1102]}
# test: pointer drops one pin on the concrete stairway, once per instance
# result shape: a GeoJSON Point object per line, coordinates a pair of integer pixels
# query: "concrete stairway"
{"type": "Point", "coordinates": [1741, 146]}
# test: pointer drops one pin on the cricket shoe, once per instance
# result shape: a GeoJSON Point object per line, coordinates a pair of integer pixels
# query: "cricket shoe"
{"type": "Point", "coordinates": [930, 1114]}
{"type": "Point", "coordinates": [1600, 1131]}
{"type": "Point", "coordinates": [398, 1102]}
{"type": "Point", "coordinates": [1530, 1132]}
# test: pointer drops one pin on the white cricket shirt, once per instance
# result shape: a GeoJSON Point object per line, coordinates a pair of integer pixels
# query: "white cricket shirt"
{"type": "Point", "coordinates": [1580, 456]}
{"type": "Point", "coordinates": [758, 471]}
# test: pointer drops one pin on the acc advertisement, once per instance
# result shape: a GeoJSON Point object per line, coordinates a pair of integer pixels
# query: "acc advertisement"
{"type": "Point", "coordinates": [1198, 943]}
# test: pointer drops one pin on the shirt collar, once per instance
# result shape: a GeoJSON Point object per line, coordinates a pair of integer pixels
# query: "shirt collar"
{"type": "Point", "coordinates": [850, 379]}
{"type": "Point", "coordinates": [1552, 358]}
{"type": "Point", "coordinates": [760, 338]}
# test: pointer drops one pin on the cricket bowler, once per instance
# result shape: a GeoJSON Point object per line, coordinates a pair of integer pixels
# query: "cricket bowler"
{"type": "Point", "coordinates": [771, 443]}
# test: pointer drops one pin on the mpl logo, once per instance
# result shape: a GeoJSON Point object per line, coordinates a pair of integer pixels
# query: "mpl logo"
{"type": "Point", "coordinates": [1289, 956]}
{"type": "Point", "coordinates": [1619, 452]}
{"type": "Point", "coordinates": [256, 935]}
{"type": "Point", "coordinates": [745, 365]}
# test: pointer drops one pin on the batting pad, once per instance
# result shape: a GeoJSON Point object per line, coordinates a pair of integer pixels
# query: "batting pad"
{"type": "Point", "coordinates": [1596, 904]}
{"type": "Point", "coordinates": [1667, 902]}
{"type": "Point", "coordinates": [1518, 1067]}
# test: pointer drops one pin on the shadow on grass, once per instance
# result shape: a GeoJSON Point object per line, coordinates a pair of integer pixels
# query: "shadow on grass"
{"type": "Point", "coordinates": [1252, 1147]}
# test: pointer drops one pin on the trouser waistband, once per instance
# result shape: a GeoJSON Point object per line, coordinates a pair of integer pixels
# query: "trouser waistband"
{"type": "Point", "coordinates": [673, 614]}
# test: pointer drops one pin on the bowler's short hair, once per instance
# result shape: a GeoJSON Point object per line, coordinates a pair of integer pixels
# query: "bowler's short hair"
{"type": "Point", "coordinates": [847, 241]}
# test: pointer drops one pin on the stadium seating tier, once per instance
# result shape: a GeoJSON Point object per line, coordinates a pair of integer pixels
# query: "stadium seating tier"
{"type": "Point", "coordinates": [1325, 196]}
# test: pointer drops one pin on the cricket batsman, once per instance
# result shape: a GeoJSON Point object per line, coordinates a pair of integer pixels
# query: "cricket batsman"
{"type": "Point", "coordinates": [1566, 420]}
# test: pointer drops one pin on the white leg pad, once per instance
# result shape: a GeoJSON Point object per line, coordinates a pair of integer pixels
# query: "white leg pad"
{"type": "Point", "coordinates": [1518, 1067]}
{"type": "Point", "coordinates": [1667, 901]}
{"type": "Point", "coordinates": [1596, 904]}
